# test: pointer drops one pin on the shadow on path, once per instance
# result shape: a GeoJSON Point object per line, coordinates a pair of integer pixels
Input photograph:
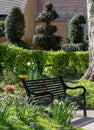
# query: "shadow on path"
{"type": "Point", "coordinates": [83, 121]}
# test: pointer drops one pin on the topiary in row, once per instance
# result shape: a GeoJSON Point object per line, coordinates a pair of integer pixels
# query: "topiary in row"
{"type": "Point", "coordinates": [15, 26]}
{"type": "Point", "coordinates": [46, 38]}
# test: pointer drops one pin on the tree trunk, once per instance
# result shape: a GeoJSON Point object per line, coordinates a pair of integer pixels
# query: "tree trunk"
{"type": "Point", "coordinates": [90, 14]}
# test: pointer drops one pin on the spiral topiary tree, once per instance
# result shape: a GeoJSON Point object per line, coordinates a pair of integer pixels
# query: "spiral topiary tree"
{"type": "Point", "coordinates": [14, 27]}
{"type": "Point", "coordinates": [45, 38]}
{"type": "Point", "coordinates": [76, 29]}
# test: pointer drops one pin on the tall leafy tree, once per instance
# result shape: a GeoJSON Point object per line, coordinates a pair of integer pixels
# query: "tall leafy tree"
{"type": "Point", "coordinates": [45, 38]}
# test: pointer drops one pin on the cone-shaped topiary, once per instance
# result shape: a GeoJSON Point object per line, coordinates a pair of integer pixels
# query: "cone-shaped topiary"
{"type": "Point", "coordinates": [76, 29]}
{"type": "Point", "coordinates": [46, 39]}
{"type": "Point", "coordinates": [14, 24]}
{"type": "Point", "coordinates": [14, 27]}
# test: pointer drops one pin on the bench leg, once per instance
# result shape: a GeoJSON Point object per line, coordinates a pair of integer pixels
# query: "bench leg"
{"type": "Point", "coordinates": [52, 100]}
{"type": "Point", "coordinates": [85, 113]}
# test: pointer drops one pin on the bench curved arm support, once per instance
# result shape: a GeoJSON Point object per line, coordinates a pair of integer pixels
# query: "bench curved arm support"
{"type": "Point", "coordinates": [78, 87]}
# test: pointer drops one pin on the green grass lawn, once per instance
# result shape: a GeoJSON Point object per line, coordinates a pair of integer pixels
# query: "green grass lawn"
{"type": "Point", "coordinates": [89, 91]}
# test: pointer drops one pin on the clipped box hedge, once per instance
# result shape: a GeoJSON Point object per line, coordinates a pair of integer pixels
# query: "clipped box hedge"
{"type": "Point", "coordinates": [69, 63]}
{"type": "Point", "coordinates": [56, 62]}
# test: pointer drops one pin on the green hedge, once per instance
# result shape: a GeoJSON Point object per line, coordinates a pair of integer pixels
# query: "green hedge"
{"type": "Point", "coordinates": [50, 62]}
{"type": "Point", "coordinates": [15, 59]}
{"type": "Point", "coordinates": [69, 63]}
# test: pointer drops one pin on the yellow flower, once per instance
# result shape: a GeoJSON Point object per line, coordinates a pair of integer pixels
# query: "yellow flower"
{"type": "Point", "coordinates": [22, 76]}
{"type": "Point", "coordinates": [55, 101]}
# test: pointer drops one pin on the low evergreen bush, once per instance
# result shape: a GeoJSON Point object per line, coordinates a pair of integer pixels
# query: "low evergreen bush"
{"type": "Point", "coordinates": [71, 47]}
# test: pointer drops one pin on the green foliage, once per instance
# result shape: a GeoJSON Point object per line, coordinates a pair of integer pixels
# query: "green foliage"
{"type": "Point", "coordinates": [48, 14]}
{"type": "Point", "coordinates": [9, 77]}
{"type": "Point", "coordinates": [3, 111]}
{"type": "Point", "coordinates": [63, 112]}
{"type": "Point", "coordinates": [20, 43]}
{"type": "Point", "coordinates": [14, 27]}
{"type": "Point", "coordinates": [14, 24]}
{"type": "Point", "coordinates": [19, 115]}
{"type": "Point", "coordinates": [76, 63]}
{"type": "Point", "coordinates": [76, 29]}
{"type": "Point", "coordinates": [76, 33]}
{"type": "Point", "coordinates": [46, 29]}
{"type": "Point", "coordinates": [34, 71]}
{"type": "Point", "coordinates": [27, 113]}
{"type": "Point", "coordinates": [78, 19]}
{"type": "Point", "coordinates": [75, 47]}
{"type": "Point", "coordinates": [89, 91]}
{"type": "Point", "coordinates": [15, 59]}
{"type": "Point", "coordinates": [2, 29]}
{"type": "Point", "coordinates": [47, 40]}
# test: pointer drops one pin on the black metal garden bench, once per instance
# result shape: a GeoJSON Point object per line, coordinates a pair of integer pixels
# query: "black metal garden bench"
{"type": "Point", "coordinates": [44, 91]}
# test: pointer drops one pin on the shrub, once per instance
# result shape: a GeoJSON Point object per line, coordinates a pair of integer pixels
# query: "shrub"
{"type": "Point", "coordinates": [70, 47]}
{"type": "Point", "coordinates": [14, 27]}
{"type": "Point", "coordinates": [75, 65]}
{"type": "Point", "coordinates": [15, 59]}
{"type": "Point", "coordinates": [76, 29]}
{"type": "Point", "coordinates": [46, 29]}
{"type": "Point", "coordinates": [20, 43]}
{"type": "Point", "coordinates": [47, 40]}
{"type": "Point", "coordinates": [14, 24]}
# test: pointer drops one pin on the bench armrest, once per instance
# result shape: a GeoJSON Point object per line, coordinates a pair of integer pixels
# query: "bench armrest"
{"type": "Point", "coordinates": [78, 87]}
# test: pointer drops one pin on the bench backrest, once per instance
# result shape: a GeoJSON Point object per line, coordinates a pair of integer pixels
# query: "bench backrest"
{"type": "Point", "coordinates": [54, 85]}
